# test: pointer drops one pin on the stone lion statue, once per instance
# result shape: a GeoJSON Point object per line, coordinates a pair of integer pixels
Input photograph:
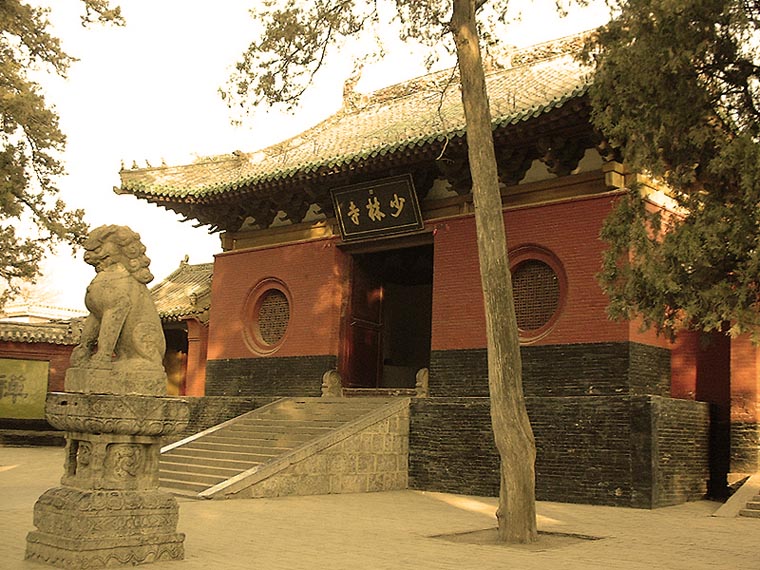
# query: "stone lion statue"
{"type": "Point", "coordinates": [122, 345]}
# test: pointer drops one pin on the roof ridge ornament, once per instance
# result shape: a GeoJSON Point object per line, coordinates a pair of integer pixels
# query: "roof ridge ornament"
{"type": "Point", "coordinates": [550, 49]}
{"type": "Point", "coordinates": [352, 99]}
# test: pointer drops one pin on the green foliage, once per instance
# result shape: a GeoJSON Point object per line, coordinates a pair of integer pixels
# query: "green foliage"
{"type": "Point", "coordinates": [297, 37]}
{"type": "Point", "coordinates": [677, 90]}
{"type": "Point", "coordinates": [31, 140]}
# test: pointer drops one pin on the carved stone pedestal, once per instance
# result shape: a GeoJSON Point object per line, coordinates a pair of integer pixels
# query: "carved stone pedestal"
{"type": "Point", "coordinates": [93, 529]}
{"type": "Point", "coordinates": [108, 510]}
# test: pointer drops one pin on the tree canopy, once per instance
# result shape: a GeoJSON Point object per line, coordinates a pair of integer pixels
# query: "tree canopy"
{"type": "Point", "coordinates": [677, 90]}
{"type": "Point", "coordinates": [297, 38]}
{"type": "Point", "coordinates": [31, 141]}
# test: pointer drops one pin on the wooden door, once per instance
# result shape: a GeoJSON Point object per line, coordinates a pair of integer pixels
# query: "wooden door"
{"type": "Point", "coordinates": [365, 327]}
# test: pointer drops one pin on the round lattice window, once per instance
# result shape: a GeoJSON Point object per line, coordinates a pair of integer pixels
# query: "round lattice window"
{"type": "Point", "coordinates": [537, 294]}
{"type": "Point", "coordinates": [273, 317]}
{"type": "Point", "coordinates": [268, 313]}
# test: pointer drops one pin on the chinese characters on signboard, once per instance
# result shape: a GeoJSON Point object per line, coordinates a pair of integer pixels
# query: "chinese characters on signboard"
{"type": "Point", "coordinates": [379, 208]}
{"type": "Point", "coordinates": [23, 388]}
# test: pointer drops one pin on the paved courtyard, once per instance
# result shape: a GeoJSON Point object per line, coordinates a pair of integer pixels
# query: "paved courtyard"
{"type": "Point", "coordinates": [399, 530]}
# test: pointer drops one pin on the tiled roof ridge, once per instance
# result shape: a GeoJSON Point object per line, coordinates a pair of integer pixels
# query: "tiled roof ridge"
{"type": "Point", "coordinates": [507, 58]}
{"type": "Point", "coordinates": [185, 267]}
{"type": "Point", "coordinates": [185, 292]}
{"type": "Point", "coordinates": [558, 47]}
{"type": "Point", "coordinates": [43, 305]}
{"type": "Point", "coordinates": [515, 57]}
{"type": "Point", "coordinates": [523, 85]}
{"type": "Point", "coordinates": [65, 332]}
{"type": "Point", "coordinates": [236, 156]}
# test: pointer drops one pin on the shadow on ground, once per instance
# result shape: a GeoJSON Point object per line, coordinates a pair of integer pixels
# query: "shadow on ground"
{"type": "Point", "coordinates": [490, 537]}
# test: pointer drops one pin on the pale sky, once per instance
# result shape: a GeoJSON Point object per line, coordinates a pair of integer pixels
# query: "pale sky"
{"type": "Point", "coordinates": [149, 92]}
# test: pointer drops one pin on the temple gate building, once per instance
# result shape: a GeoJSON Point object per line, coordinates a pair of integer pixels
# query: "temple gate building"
{"type": "Point", "coordinates": [352, 247]}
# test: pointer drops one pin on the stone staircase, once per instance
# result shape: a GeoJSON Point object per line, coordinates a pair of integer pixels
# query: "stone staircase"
{"type": "Point", "coordinates": [751, 508]}
{"type": "Point", "coordinates": [270, 448]}
{"type": "Point", "coordinates": [745, 502]}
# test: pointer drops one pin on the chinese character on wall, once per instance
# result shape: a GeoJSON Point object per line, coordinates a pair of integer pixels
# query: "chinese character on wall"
{"type": "Point", "coordinates": [23, 388]}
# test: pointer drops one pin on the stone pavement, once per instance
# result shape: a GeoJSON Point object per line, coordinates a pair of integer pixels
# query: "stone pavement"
{"type": "Point", "coordinates": [397, 530]}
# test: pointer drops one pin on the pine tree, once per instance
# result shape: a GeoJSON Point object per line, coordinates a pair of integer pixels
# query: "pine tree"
{"type": "Point", "coordinates": [677, 91]}
{"type": "Point", "coordinates": [32, 218]}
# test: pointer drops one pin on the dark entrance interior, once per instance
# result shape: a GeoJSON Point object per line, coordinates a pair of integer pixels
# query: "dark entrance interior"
{"type": "Point", "coordinates": [175, 358]}
{"type": "Point", "coordinates": [389, 321]}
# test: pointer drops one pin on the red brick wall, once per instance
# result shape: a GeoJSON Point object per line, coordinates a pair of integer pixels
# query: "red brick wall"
{"type": "Point", "coordinates": [197, 349]}
{"type": "Point", "coordinates": [56, 354]}
{"type": "Point", "coordinates": [569, 230]}
{"type": "Point", "coordinates": [313, 273]}
{"type": "Point", "coordinates": [745, 379]}
{"type": "Point", "coordinates": [683, 366]}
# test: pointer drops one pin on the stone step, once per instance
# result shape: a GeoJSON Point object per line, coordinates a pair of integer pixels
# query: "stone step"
{"type": "Point", "coordinates": [750, 513]}
{"type": "Point", "coordinates": [278, 426]}
{"type": "Point", "coordinates": [205, 454]}
{"type": "Point", "coordinates": [323, 408]}
{"type": "Point", "coordinates": [753, 505]}
{"type": "Point", "coordinates": [200, 478]}
{"type": "Point", "coordinates": [264, 432]}
{"type": "Point", "coordinates": [173, 485]}
{"type": "Point", "coordinates": [335, 402]}
{"type": "Point", "coordinates": [316, 412]}
{"type": "Point", "coordinates": [267, 447]}
{"type": "Point", "coordinates": [180, 459]}
{"type": "Point", "coordinates": [256, 438]}
{"type": "Point", "coordinates": [286, 423]}
{"type": "Point", "coordinates": [282, 438]}
{"type": "Point", "coordinates": [184, 493]}
{"type": "Point", "coordinates": [201, 469]}
{"type": "Point", "coordinates": [236, 438]}
{"type": "Point", "coordinates": [254, 441]}
{"type": "Point", "coordinates": [230, 447]}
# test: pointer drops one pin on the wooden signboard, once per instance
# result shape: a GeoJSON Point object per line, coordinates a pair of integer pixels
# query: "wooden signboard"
{"type": "Point", "coordinates": [379, 208]}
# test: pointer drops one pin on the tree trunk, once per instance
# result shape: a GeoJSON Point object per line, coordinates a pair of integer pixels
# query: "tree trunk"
{"type": "Point", "coordinates": [511, 427]}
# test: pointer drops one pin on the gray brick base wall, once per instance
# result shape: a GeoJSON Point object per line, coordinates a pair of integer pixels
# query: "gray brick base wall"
{"type": "Point", "coordinates": [638, 451]}
{"type": "Point", "coordinates": [598, 369]}
{"type": "Point", "coordinates": [268, 376]}
{"type": "Point", "coordinates": [745, 447]}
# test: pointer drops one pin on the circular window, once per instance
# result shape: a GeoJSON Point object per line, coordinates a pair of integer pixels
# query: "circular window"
{"type": "Point", "coordinates": [538, 287]}
{"type": "Point", "coordinates": [273, 317]}
{"type": "Point", "coordinates": [268, 315]}
{"type": "Point", "coordinates": [536, 290]}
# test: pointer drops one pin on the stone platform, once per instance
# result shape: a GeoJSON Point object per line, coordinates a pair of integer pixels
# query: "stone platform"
{"type": "Point", "coordinates": [108, 510]}
{"type": "Point", "coordinates": [93, 529]}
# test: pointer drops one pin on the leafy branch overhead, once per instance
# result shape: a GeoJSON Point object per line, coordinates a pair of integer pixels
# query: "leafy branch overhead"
{"type": "Point", "coordinates": [678, 90]}
{"type": "Point", "coordinates": [296, 39]}
{"type": "Point", "coordinates": [31, 141]}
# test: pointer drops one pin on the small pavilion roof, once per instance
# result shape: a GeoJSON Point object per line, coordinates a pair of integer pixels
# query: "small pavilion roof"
{"type": "Point", "coordinates": [391, 120]}
{"type": "Point", "coordinates": [186, 292]}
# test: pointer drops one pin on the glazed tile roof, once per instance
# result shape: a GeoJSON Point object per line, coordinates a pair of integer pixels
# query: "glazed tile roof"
{"type": "Point", "coordinates": [184, 293]}
{"type": "Point", "coordinates": [393, 119]}
{"type": "Point", "coordinates": [63, 332]}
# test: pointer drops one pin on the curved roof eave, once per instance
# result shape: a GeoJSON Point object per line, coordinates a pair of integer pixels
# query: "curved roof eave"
{"type": "Point", "coordinates": [160, 191]}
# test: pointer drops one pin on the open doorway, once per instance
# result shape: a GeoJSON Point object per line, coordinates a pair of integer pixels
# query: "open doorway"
{"type": "Point", "coordinates": [389, 319]}
{"type": "Point", "coordinates": [175, 358]}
